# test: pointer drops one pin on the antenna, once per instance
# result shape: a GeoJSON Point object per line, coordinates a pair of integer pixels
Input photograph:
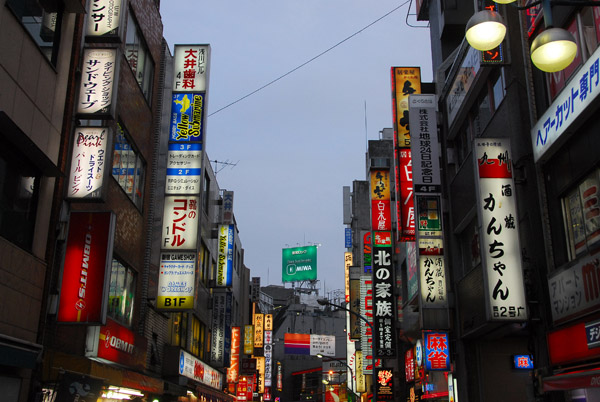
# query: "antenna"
{"type": "Point", "coordinates": [223, 165]}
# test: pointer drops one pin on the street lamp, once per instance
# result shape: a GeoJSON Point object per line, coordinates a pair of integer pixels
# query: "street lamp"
{"type": "Point", "coordinates": [325, 302]}
{"type": "Point", "coordinates": [320, 356]}
{"type": "Point", "coordinates": [552, 50]}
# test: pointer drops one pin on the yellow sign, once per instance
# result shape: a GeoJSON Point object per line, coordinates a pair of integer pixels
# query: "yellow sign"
{"type": "Point", "coordinates": [260, 367]}
{"type": "Point", "coordinates": [380, 185]}
{"type": "Point", "coordinates": [248, 339]}
{"type": "Point", "coordinates": [268, 322]}
{"type": "Point", "coordinates": [347, 265]}
{"type": "Point", "coordinates": [259, 320]}
{"type": "Point", "coordinates": [405, 81]}
{"type": "Point", "coordinates": [175, 303]}
{"type": "Point", "coordinates": [361, 385]}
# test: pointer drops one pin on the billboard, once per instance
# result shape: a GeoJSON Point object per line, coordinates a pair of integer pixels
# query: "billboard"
{"type": "Point", "coordinates": [191, 64]}
{"type": "Point", "coordinates": [104, 18]}
{"type": "Point", "coordinates": [187, 114]}
{"type": "Point", "coordinates": [88, 254]}
{"type": "Point", "coordinates": [88, 162]}
{"type": "Point", "coordinates": [405, 81]}
{"type": "Point", "coordinates": [299, 264]}
{"type": "Point", "coordinates": [176, 280]}
{"type": "Point", "coordinates": [225, 259]}
{"type": "Point", "coordinates": [97, 81]}
{"type": "Point", "coordinates": [180, 223]}
{"type": "Point", "coordinates": [184, 168]}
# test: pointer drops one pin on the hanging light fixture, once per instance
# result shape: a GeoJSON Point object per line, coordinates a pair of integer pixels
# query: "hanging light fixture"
{"type": "Point", "coordinates": [552, 50]}
{"type": "Point", "coordinates": [485, 30]}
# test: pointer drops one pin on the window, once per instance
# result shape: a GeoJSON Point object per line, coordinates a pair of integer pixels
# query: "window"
{"type": "Point", "coordinates": [198, 336]}
{"type": "Point", "coordinates": [179, 329]}
{"type": "Point", "coordinates": [128, 167]}
{"type": "Point", "coordinates": [121, 293]}
{"type": "Point", "coordinates": [581, 216]}
{"type": "Point", "coordinates": [204, 263]}
{"type": "Point", "coordinates": [206, 193]}
{"type": "Point", "coordinates": [43, 27]}
{"type": "Point", "coordinates": [498, 89]}
{"type": "Point", "coordinates": [139, 57]}
{"type": "Point", "coordinates": [19, 191]}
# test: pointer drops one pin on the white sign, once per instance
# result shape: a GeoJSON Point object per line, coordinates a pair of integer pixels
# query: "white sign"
{"type": "Point", "coordinates": [581, 90]}
{"type": "Point", "coordinates": [184, 168]}
{"type": "Point", "coordinates": [176, 275]}
{"type": "Point", "coordinates": [97, 79]}
{"type": "Point", "coordinates": [180, 223]}
{"type": "Point", "coordinates": [424, 145]}
{"type": "Point", "coordinates": [500, 245]}
{"type": "Point", "coordinates": [576, 290]}
{"type": "Point", "coordinates": [432, 273]}
{"type": "Point", "coordinates": [322, 344]}
{"type": "Point", "coordinates": [195, 369]}
{"type": "Point", "coordinates": [191, 68]}
{"type": "Point", "coordinates": [88, 162]}
{"type": "Point", "coordinates": [104, 17]}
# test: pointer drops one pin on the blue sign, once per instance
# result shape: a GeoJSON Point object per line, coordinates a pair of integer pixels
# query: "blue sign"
{"type": "Point", "coordinates": [592, 333]}
{"type": "Point", "coordinates": [187, 116]}
{"type": "Point", "coordinates": [348, 238]}
{"type": "Point", "coordinates": [437, 351]}
{"type": "Point", "coordinates": [523, 362]}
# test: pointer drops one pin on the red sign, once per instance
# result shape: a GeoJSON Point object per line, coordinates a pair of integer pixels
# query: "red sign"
{"type": "Point", "coordinates": [406, 204]}
{"type": "Point", "coordinates": [88, 252]}
{"type": "Point", "coordinates": [241, 389]}
{"type": "Point", "coordinates": [381, 216]}
{"type": "Point", "coordinates": [233, 371]}
{"type": "Point", "coordinates": [570, 345]}
{"type": "Point", "coordinates": [409, 365]}
{"type": "Point", "coordinates": [120, 345]}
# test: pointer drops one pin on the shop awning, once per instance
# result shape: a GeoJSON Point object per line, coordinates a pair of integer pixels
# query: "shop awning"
{"type": "Point", "coordinates": [572, 380]}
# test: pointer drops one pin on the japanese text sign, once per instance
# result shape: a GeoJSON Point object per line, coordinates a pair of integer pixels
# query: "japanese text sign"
{"type": "Point", "coordinates": [104, 18]}
{"type": "Point", "coordinates": [88, 162]}
{"type": "Point", "coordinates": [193, 368]}
{"type": "Point", "coordinates": [248, 339]}
{"type": "Point", "coordinates": [183, 168]}
{"type": "Point", "coordinates": [384, 302]}
{"type": "Point", "coordinates": [433, 273]}
{"type": "Point", "coordinates": [501, 250]}
{"type": "Point", "coordinates": [258, 330]}
{"type": "Point", "coordinates": [405, 81]}
{"type": "Point", "coordinates": [522, 362]}
{"type": "Point", "coordinates": [406, 203]}
{"type": "Point", "coordinates": [437, 352]}
{"type": "Point", "coordinates": [579, 93]}
{"type": "Point", "coordinates": [385, 384]}
{"type": "Point", "coordinates": [191, 68]}
{"type": "Point", "coordinates": [424, 145]}
{"type": "Point", "coordinates": [409, 364]}
{"type": "Point", "coordinates": [97, 82]}
{"type": "Point", "coordinates": [180, 223]}
{"type": "Point", "coordinates": [176, 281]}
{"type": "Point", "coordinates": [233, 371]}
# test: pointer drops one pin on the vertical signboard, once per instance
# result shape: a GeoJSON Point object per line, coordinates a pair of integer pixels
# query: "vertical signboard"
{"type": "Point", "coordinates": [233, 372]}
{"type": "Point", "coordinates": [406, 205]}
{"type": "Point", "coordinates": [248, 339]}
{"type": "Point", "coordinates": [184, 163]}
{"type": "Point", "coordinates": [225, 259]}
{"type": "Point", "coordinates": [366, 310]}
{"type": "Point", "coordinates": [501, 250]}
{"type": "Point", "coordinates": [180, 223]}
{"type": "Point", "coordinates": [191, 63]}
{"type": "Point", "coordinates": [255, 290]}
{"type": "Point", "coordinates": [268, 351]}
{"type": "Point", "coordinates": [97, 83]}
{"type": "Point", "coordinates": [86, 268]}
{"type": "Point", "coordinates": [258, 330]}
{"type": "Point", "coordinates": [347, 265]}
{"type": "Point", "coordinates": [187, 117]}
{"type": "Point", "coordinates": [385, 384]}
{"type": "Point", "coordinates": [227, 207]}
{"type": "Point", "coordinates": [424, 144]}
{"type": "Point", "coordinates": [217, 347]}
{"type": "Point", "coordinates": [176, 281]}
{"type": "Point", "coordinates": [437, 352]}
{"type": "Point", "coordinates": [405, 81]}
{"type": "Point", "coordinates": [383, 302]}
{"type": "Point", "coordinates": [88, 162]}
{"type": "Point", "coordinates": [104, 18]}
{"type": "Point", "coordinates": [432, 273]}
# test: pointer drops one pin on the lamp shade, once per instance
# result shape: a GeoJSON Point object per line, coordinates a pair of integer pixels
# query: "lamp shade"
{"type": "Point", "coordinates": [485, 30]}
{"type": "Point", "coordinates": [553, 50]}
{"type": "Point", "coordinates": [504, 1]}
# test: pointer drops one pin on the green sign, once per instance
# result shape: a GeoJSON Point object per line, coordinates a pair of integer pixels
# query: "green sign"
{"type": "Point", "coordinates": [299, 264]}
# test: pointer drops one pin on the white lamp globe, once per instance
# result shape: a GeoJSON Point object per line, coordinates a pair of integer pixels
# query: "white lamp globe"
{"type": "Point", "coordinates": [553, 50]}
{"type": "Point", "coordinates": [485, 30]}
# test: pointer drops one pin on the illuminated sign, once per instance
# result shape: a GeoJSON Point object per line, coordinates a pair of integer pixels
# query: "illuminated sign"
{"type": "Point", "coordinates": [88, 162]}
{"type": "Point", "coordinates": [233, 371]}
{"type": "Point", "coordinates": [258, 330]}
{"type": "Point", "coordinates": [225, 258]}
{"type": "Point", "coordinates": [195, 369]}
{"type": "Point", "coordinates": [366, 334]}
{"type": "Point", "coordinates": [384, 300]}
{"type": "Point", "coordinates": [183, 168]}
{"type": "Point", "coordinates": [187, 116]}
{"type": "Point", "coordinates": [191, 64]}
{"type": "Point", "coordinates": [433, 273]}
{"type": "Point", "coordinates": [385, 384]}
{"type": "Point", "coordinates": [268, 323]}
{"type": "Point", "coordinates": [523, 362]}
{"type": "Point", "coordinates": [409, 364]}
{"type": "Point", "coordinates": [347, 265]}
{"type": "Point", "coordinates": [176, 279]}
{"type": "Point", "coordinates": [380, 184]}
{"type": "Point", "coordinates": [299, 264]}
{"type": "Point", "coordinates": [405, 81]}
{"type": "Point", "coordinates": [115, 343]}
{"type": "Point", "coordinates": [97, 80]}
{"type": "Point", "coordinates": [437, 352]}
{"type": "Point", "coordinates": [88, 255]}
{"type": "Point", "coordinates": [248, 339]}
{"type": "Point", "coordinates": [220, 327]}
{"type": "Point", "coordinates": [104, 18]}
{"type": "Point", "coordinates": [405, 203]}
{"type": "Point", "coordinates": [501, 250]}
{"type": "Point", "coordinates": [180, 223]}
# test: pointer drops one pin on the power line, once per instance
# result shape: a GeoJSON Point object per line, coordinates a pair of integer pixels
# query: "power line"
{"type": "Point", "coordinates": [310, 60]}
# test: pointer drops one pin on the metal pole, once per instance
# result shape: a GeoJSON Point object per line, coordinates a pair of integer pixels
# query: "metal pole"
{"type": "Point", "coordinates": [324, 302]}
